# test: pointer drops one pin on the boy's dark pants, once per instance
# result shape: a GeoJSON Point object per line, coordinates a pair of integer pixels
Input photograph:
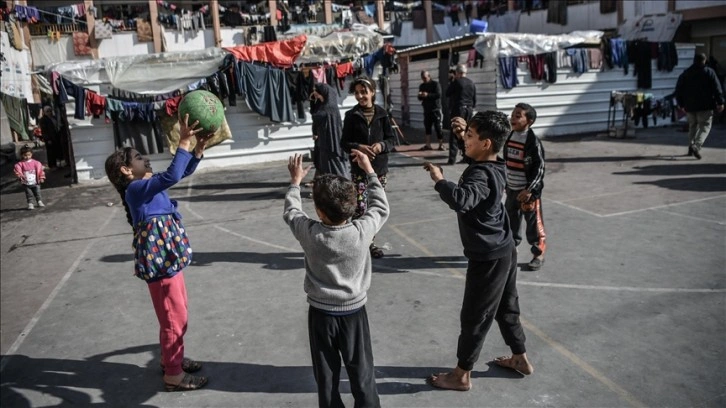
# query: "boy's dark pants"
{"type": "Point", "coordinates": [32, 191]}
{"type": "Point", "coordinates": [490, 294]}
{"type": "Point", "coordinates": [534, 223]}
{"type": "Point", "coordinates": [349, 337]}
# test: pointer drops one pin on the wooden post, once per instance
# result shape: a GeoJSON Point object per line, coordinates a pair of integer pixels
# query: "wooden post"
{"type": "Point", "coordinates": [273, 12]}
{"type": "Point", "coordinates": [90, 24]}
{"type": "Point", "coordinates": [380, 20]}
{"type": "Point", "coordinates": [429, 21]}
{"type": "Point", "coordinates": [328, 11]}
{"type": "Point", "coordinates": [155, 30]}
{"type": "Point", "coordinates": [214, 7]}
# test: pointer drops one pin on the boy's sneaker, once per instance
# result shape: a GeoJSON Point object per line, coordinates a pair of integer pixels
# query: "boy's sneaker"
{"type": "Point", "coordinates": [536, 263]}
{"type": "Point", "coordinates": [40, 204]}
{"type": "Point", "coordinates": [31, 206]}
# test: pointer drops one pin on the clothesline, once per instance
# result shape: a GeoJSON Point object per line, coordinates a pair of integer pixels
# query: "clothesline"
{"type": "Point", "coordinates": [62, 16]}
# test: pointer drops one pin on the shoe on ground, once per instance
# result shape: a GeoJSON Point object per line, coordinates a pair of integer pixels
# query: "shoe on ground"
{"type": "Point", "coordinates": [442, 149]}
{"type": "Point", "coordinates": [535, 263]}
{"type": "Point", "coordinates": [450, 163]}
{"type": "Point", "coordinates": [690, 150]}
{"type": "Point", "coordinates": [425, 147]}
{"type": "Point", "coordinates": [696, 154]}
{"type": "Point", "coordinates": [41, 204]}
{"type": "Point", "coordinates": [31, 206]}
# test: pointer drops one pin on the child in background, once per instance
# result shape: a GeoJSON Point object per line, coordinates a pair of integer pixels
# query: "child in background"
{"type": "Point", "coordinates": [161, 246]}
{"type": "Point", "coordinates": [525, 159]}
{"type": "Point", "coordinates": [490, 291]}
{"type": "Point", "coordinates": [30, 172]}
{"type": "Point", "coordinates": [337, 277]}
{"type": "Point", "coordinates": [367, 128]}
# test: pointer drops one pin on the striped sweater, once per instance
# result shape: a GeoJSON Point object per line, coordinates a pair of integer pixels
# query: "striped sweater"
{"type": "Point", "coordinates": [525, 158]}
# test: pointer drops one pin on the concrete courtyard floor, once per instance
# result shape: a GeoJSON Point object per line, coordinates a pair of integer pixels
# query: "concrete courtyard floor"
{"type": "Point", "coordinates": [628, 311]}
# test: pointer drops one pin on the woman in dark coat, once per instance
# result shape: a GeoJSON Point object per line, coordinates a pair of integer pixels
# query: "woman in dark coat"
{"type": "Point", "coordinates": [329, 156]}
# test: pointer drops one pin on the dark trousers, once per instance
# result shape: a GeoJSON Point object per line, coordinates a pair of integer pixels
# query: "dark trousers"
{"type": "Point", "coordinates": [348, 339]}
{"type": "Point", "coordinates": [534, 223]}
{"type": "Point", "coordinates": [32, 191]}
{"type": "Point", "coordinates": [490, 294]}
{"type": "Point", "coordinates": [454, 143]}
{"type": "Point", "coordinates": [432, 118]}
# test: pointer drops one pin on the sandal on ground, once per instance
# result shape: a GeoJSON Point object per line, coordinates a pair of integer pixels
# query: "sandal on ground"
{"type": "Point", "coordinates": [188, 365]}
{"type": "Point", "coordinates": [376, 252]}
{"type": "Point", "coordinates": [188, 383]}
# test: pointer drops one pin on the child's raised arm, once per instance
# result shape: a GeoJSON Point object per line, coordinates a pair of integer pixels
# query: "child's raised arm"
{"type": "Point", "coordinates": [362, 160]}
{"type": "Point", "coordinates": [295, 167]}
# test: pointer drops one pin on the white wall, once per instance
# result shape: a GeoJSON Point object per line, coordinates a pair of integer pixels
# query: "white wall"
{"type": "Point", "coordinates": [691, 4]}
{"type": "Point", "coordinates": [255, 140]}
{"type": "Point", "coordinates": [633, 9]}
{"type": "Point", "coordinates": [576, 103]}
{"type": "Point", "coordinates": [579, 103]}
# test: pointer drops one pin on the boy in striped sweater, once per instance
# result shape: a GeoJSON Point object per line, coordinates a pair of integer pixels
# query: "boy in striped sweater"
{"type": "Point", "coordinates": [525, 159]}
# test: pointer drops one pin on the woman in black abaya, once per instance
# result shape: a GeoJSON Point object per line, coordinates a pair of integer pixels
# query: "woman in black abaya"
{"type": "Point", "coordinates": [329, 156]}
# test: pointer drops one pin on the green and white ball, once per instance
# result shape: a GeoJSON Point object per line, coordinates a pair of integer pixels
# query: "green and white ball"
{"type": "Point", "coordinates": [205, 107]}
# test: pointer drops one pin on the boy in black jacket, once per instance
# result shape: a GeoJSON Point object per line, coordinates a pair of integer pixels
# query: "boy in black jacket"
{"type": "Point", "coordinates": [525, 159]}
{"type": "Point", "coordinates": [491, 277]}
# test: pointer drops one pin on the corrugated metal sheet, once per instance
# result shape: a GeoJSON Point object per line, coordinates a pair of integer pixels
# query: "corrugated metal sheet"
{"type": "Point", "coordinates": [580, 103]}
{"type": "Point", "coordinates": [574, 104]}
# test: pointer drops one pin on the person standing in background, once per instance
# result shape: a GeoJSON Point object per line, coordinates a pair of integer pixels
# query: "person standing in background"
{"type": "Point", "coordinates": [699, 93]}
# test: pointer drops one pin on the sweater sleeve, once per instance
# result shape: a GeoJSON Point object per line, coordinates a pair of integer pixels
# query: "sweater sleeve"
{"type": "Point", "coordinates": [378, 211]}
{"type": "Point", "coordinates": [293, 215]}
{"type": "Point", "coordinates": [388, 137]}
{"type": "Point", "coordinates": [465, 197]}
{"type": "Point", "coordinates": [535, 176]}
{"type": "Point", "coordinates": [163, 180]}
{"type": "Point", "coordinates": [192, 165]}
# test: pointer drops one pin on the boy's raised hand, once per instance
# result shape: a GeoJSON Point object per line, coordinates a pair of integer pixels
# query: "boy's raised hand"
{"type": "Point", "coordinates": [435, 171]}
{"type": "Point", "coordinates": [362, 160]}
{"type": "Point", "coordinates": [295, 167]}
{"type": "Point", "coordinates": [458, 126]}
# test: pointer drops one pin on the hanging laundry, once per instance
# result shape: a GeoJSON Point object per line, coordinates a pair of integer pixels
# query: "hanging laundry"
{"type": "Point", "coordinates": [81, 44]}
{"type": "Point", "coordinates": [508, 72]}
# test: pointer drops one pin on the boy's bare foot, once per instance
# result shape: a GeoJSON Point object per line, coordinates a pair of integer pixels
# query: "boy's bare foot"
{"type": "Point", "coordinates": [457, 380]}
{"type": "Point", "coordinates": [517, 362]}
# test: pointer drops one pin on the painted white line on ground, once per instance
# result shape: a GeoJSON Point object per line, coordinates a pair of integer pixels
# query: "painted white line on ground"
{"type": "Point", "coordinates": [582, 364]}
{"type": "Point", "coordinates": [692, 217]}
{"type": "Point", "coordinates": [422, 221]}
{"type": "Point", "coordinates": [572, 207]}
{"type": "Point", "coordinates": [33, 321]}
{"type": "Point", "coordinates": [576, 360]}
{"type": "Point", "coordinates": [619, 288]}
{"type": "Point", "coordinates": [257, 241]}
{"type": "Point", "coordinates": [422, 248]}
{"type": "Point", "coordinates": [657, 207]}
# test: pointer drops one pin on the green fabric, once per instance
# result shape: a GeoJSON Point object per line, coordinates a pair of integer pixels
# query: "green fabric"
{"type": "Point", "coordinates": [17, 111]}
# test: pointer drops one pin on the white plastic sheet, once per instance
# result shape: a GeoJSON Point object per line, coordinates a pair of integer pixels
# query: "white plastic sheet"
{"type": "Point", "coordinates": [341, 44]}
{"type": "Point", "coordinates": [515, 44]}
{"type": "Point", "coordinates": [144, 74]}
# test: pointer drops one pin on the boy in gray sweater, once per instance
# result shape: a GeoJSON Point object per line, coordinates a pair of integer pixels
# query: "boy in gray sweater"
{"type": "Point", "coordinates": [337, 277]}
